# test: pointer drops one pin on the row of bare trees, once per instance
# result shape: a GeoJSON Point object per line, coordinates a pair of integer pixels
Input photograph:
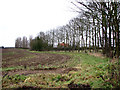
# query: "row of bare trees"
{"type": "Point", "coordinates": [103, 22]}
{"type": "Point", "coordinates": [23, 42]}
{"type": "Point", "coordinates": [96, 28]}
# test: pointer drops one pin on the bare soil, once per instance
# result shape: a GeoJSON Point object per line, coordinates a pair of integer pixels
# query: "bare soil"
{"type": "Point", "coordinates": [27, 72]}
{"type": "Point", "coordinates": [20, 57]}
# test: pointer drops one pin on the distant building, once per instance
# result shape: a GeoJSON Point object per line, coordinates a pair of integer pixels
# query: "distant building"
{"type": "Point", "coordinates": [62, 45]}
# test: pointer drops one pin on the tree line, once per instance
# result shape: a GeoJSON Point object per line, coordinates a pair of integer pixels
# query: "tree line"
{"type": "Point", "coordinates": [97, 27]}
{"type": "Point", "coordinates": [22, 42]}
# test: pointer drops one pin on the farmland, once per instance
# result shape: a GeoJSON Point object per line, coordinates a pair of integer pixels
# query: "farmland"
{"type": "Point", "coordinates": [22, 68]}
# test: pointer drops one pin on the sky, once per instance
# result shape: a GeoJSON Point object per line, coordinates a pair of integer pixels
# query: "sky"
{"type": "Point", "coordinates": [20, 18]}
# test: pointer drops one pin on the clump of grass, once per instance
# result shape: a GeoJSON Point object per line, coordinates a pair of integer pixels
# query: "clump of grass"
{"type": "Point", "coordinates": [48, 80]}
{"type": "Point", "coordinates": [12, 68]}
{"type": "Point", "coordinates": [46, 67]}
{"type": "Point", "coordinates": [10, 80]}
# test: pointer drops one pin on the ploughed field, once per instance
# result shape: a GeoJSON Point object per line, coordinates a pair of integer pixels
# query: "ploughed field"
{"type": "Point", "coordinates": [23, 62]}
{"type": "Point", "coordinates": [23, 69]}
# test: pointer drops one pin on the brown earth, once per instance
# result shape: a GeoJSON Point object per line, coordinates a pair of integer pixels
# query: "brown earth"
{"type": "Point", "coordinates": [27, 72]}
{"type": "Point", "coordinates": [24, 58]}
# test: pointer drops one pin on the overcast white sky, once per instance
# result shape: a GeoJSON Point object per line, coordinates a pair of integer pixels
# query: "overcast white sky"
{"type": "Point", "coordinates": [20, 18]}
